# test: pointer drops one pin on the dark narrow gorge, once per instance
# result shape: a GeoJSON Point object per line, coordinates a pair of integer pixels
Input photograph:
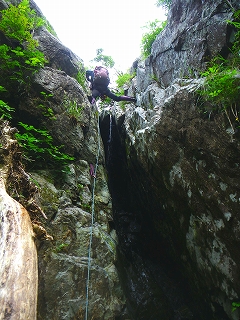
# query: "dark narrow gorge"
{"type": "Point", "coordinates": [152, 282]}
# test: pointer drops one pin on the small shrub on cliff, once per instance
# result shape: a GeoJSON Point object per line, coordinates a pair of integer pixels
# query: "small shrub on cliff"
{"type": "Point", "coordinates": [222, 80]}
{"type": "Point", "coordinates": [222, 84]}
{"type": "Point", "coordinates": [61, 247]}
{"type": "Point", "coordinates": [154, 28]}
{"type": "Point", "coordinates": [19, 21]}
{"type": "Point", "coordinates": [18, 63]}
{"type": "Point", "coordinates": [73, 108]}
{"type": "Point", "coordinates": [46, 110]}
{"type": "Point", "coordinates": [236, 45]}
{"type": "Point", "coordinates": [124, 78]}
{"type": "Point", "coordinates": [81, 79]}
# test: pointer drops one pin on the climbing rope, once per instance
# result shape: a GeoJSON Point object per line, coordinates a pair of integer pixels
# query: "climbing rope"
{"type": "Point", "coordinates": [91, 227]}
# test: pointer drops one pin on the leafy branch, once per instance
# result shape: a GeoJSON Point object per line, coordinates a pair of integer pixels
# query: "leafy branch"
{"type": "Point", "coordinates": [107, 61]}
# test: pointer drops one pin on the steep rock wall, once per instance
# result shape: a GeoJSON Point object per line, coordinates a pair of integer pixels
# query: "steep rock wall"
{"type": "Point", "coordinates": [196, 32]}
{"type": "Point", "coordinates": [73, 207]}
{"type": "Point", "coordinates": [183, 165]}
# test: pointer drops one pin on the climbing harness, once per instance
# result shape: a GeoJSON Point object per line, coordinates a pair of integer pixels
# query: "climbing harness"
{"type": "Point", "coordinates": [91, 227]}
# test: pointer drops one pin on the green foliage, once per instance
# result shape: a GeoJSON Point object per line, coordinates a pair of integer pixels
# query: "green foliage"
{"type": "Point", "coordinates": [38, 145]}
{"type": "Point", "coordinates": [73, 108]}
{"type": "Point", "coordinates": [222, 81]}
{"type": "Point", "coordinates": [236, 45]}
{"type": "Point", "coordinates": [80, 187]}
{"type": "Point", "coordinates": [6, 110]}
{"type": "Point", "coordinates": [154, 28]}
{"type": "Point", "coordinates": [2, 89]}
{"type": "Point", "coordinates": [61, 247]}
{"type": "Point", "coordinates": [222, 84]}
{"type": "Point", "coordinates": [49, 28]}
{"type": "Point", "coordinates": [164, 3]}
{"type": "Point", "coordinates": [46, 95]}
{"type": "Point", "coordinates": [17, 65]}
{"type": "Point", "coordinates": [18, 22]}
{"type": "Point", "coordinates": [235, 305]}
{"type": "Point", "coordinates": [124, 78]}
{"type": "Point", "coordinates": [81, 79]}
{"type": "Point", "coordinates": [107, 61]}
{"type": "Point", "coordinates": [86, 206]}
{"type": "Point", "coordinates": [105, 102]}
{"type": "Point", "coordinates": [46, 111]}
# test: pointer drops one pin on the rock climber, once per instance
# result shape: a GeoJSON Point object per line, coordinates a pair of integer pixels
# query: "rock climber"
{"type": "Point", "coordinates": [99, 81]}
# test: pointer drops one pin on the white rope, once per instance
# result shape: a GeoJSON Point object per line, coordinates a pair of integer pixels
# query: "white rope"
{"type": "Point", "coordinates": [91, 227]}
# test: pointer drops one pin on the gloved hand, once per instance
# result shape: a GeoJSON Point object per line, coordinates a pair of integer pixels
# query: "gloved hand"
{"type": "Point", "coordinates": [126, 98]}
{"type": "Point", "coordinates": [133, 100]}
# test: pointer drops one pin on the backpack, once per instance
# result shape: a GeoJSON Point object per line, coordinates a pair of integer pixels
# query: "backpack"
{"type": "Point", "coordinates": [101, 76]}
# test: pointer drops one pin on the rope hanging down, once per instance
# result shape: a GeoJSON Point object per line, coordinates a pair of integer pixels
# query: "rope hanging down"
{"type": "Point", "coordinates": [91, 227]}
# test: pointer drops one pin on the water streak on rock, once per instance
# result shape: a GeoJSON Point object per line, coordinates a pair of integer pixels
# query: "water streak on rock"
{"type": "Point", "coordinates": [18, 261]}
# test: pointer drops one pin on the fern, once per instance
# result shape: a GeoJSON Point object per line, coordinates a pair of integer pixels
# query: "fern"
{"type": "Point", "coordinates": [154, 28]}
{"type": "Point", "coordinates": [38, 144]}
